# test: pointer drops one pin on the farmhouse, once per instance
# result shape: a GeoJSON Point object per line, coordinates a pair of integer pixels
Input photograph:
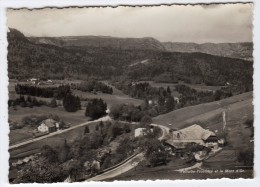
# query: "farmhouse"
{"type": "Point", "coordinates": [179, 139]}
{"type": "Point", "coordinates": [140, 132]}
{"type": "Point", "coordinates": [48, 125]}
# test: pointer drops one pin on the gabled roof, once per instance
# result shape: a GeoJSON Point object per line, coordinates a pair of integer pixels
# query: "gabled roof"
{"type": "Point", "coordinates": [49, 122]}
{"type": "Point", "coordinates": [194, 132]}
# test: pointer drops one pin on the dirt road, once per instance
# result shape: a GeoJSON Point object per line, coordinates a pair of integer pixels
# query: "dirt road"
{"type": "Point", "coordinates": [105, 118]}
{"type": "Point", "coordinates": [130, 164]}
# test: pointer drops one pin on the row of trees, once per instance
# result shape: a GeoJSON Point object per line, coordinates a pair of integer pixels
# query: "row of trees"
{"type": "Point", "coordinates": [142, 90]}
{"type": "Point", "coordinates": [190, 96]}
{"type": "Point", "coordinates": [30, 102]}
{"type": "Point", "coordinates": [156, 100]}
{"type": "Point", "coordinates": [92, 86]}
{"type": "Point", "coordinates": [47, 92]}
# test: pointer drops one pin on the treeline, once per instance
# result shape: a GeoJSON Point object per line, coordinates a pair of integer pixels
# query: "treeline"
{"type": "Point", "coordinates": [190, 96]}
{"type": "Point", "coordinates": [30, 102]}
{"type": "Point", "coordinates": [142, 90]}
{"type": "Point", "coordinates": [92, 86]}
{"type": "Point", "coordinates": [156, 100]}
{"type": "Point", "coordinates": [47, 92]}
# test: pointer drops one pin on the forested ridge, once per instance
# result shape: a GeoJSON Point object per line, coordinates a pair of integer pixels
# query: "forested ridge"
{"type": "Point", "coordinates": [27, 59]}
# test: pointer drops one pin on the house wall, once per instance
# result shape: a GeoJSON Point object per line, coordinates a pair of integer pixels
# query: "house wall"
{"type": "Point", "coordinates": [43, 128]}
{"type": "Point", "coordinates": [201, 142]}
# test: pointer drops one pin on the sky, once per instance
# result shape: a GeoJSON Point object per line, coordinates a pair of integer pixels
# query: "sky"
{"type": "Point", "coordinates": [217, 23]}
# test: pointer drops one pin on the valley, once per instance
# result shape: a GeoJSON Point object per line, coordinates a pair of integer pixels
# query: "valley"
{"type": "Point", "coordinates": [85, 108]}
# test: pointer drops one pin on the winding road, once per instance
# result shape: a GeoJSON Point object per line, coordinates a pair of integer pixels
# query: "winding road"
{"type": "Point", "coordinates": [131, 163]}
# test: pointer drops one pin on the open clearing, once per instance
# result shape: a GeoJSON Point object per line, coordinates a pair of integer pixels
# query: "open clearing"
{"type": "Point", "coordinates": [110, 99]}
{"type": "Point", "coordinates": [68, 117]}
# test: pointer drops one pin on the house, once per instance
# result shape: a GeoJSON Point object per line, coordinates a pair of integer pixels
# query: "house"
{"type": "Point", "coordinates": [192, 134]}
{"type": "Point", "coordinates": [176, 99]}
{"type": "Point", "coordinates": [140, 132]}
{"type": "Point", "coordinates": [48, 125]}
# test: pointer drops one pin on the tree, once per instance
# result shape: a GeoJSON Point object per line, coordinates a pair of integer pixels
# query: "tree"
{"type": "Point", "coordinates": [170, 103]}
{"type": "Point", "coordinates": [71, 103]}
{"type": "Point", "coordinates": [49, 153]}
{"type": "Point", "coordinates": [86, 130]}
{"type": "Point", "coordinates": [155, 152]}
{"type": "Point", "coordinates": [146, 120]}
{"type": "Point", "coordinates": [169, 90]}
{"type": "Point", "coordinates": [96, 108]}
{"type": "Point", "coordinates": [63, 152]}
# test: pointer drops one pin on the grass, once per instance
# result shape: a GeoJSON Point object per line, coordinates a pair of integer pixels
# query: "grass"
{"type": "Point", "coordinates": [69, 117]}
{"type": "Point", "coordinates": [19, 135]}
{"type": "Point", "coordinates": [25, 133]}
{"type": "Point", "coordinates": [142, 172]}
{"type": "Point", "coordinates": [182, 117]}
{"type": "Point", "coordinates": [53, 141]}
{"type": "Point", "coordinates": [110, 99]}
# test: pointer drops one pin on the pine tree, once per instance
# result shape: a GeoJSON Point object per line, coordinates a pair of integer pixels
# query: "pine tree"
{"type": "Point", "coordinates": [170, 104]}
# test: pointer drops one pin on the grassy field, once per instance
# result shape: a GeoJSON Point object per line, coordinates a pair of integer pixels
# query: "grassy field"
{"type": "Point", "coordinates": [68, 117]}
{"type": "Point", "coordinates": [19, 135]}
{"type": "Point", "coordinates": [110, 99]}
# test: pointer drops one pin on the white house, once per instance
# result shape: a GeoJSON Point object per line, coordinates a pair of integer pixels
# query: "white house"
{"type": "Point", "coordinates": [48, 125]}
{"type": "Point", "coordinates": [140, 132]}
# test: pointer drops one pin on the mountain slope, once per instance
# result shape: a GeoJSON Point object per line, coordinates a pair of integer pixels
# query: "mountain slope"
{"type": "Point", "coordinates": [101, 41]}
{"type": "Point", "coordinates": [29, 59]}
{"type": "Point", "coordinates": [233, 50]}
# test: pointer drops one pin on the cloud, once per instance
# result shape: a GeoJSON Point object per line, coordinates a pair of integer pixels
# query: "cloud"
{"type": "Point", "coordinates": [199, 23]}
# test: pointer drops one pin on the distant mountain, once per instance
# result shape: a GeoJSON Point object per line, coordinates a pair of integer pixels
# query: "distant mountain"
{"type": "Point", "coordinates": [101, 41]}
{"type": "Point", "coordinates": [233, 50]}
{"type": "Point", "coordinates": [31, 58]}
